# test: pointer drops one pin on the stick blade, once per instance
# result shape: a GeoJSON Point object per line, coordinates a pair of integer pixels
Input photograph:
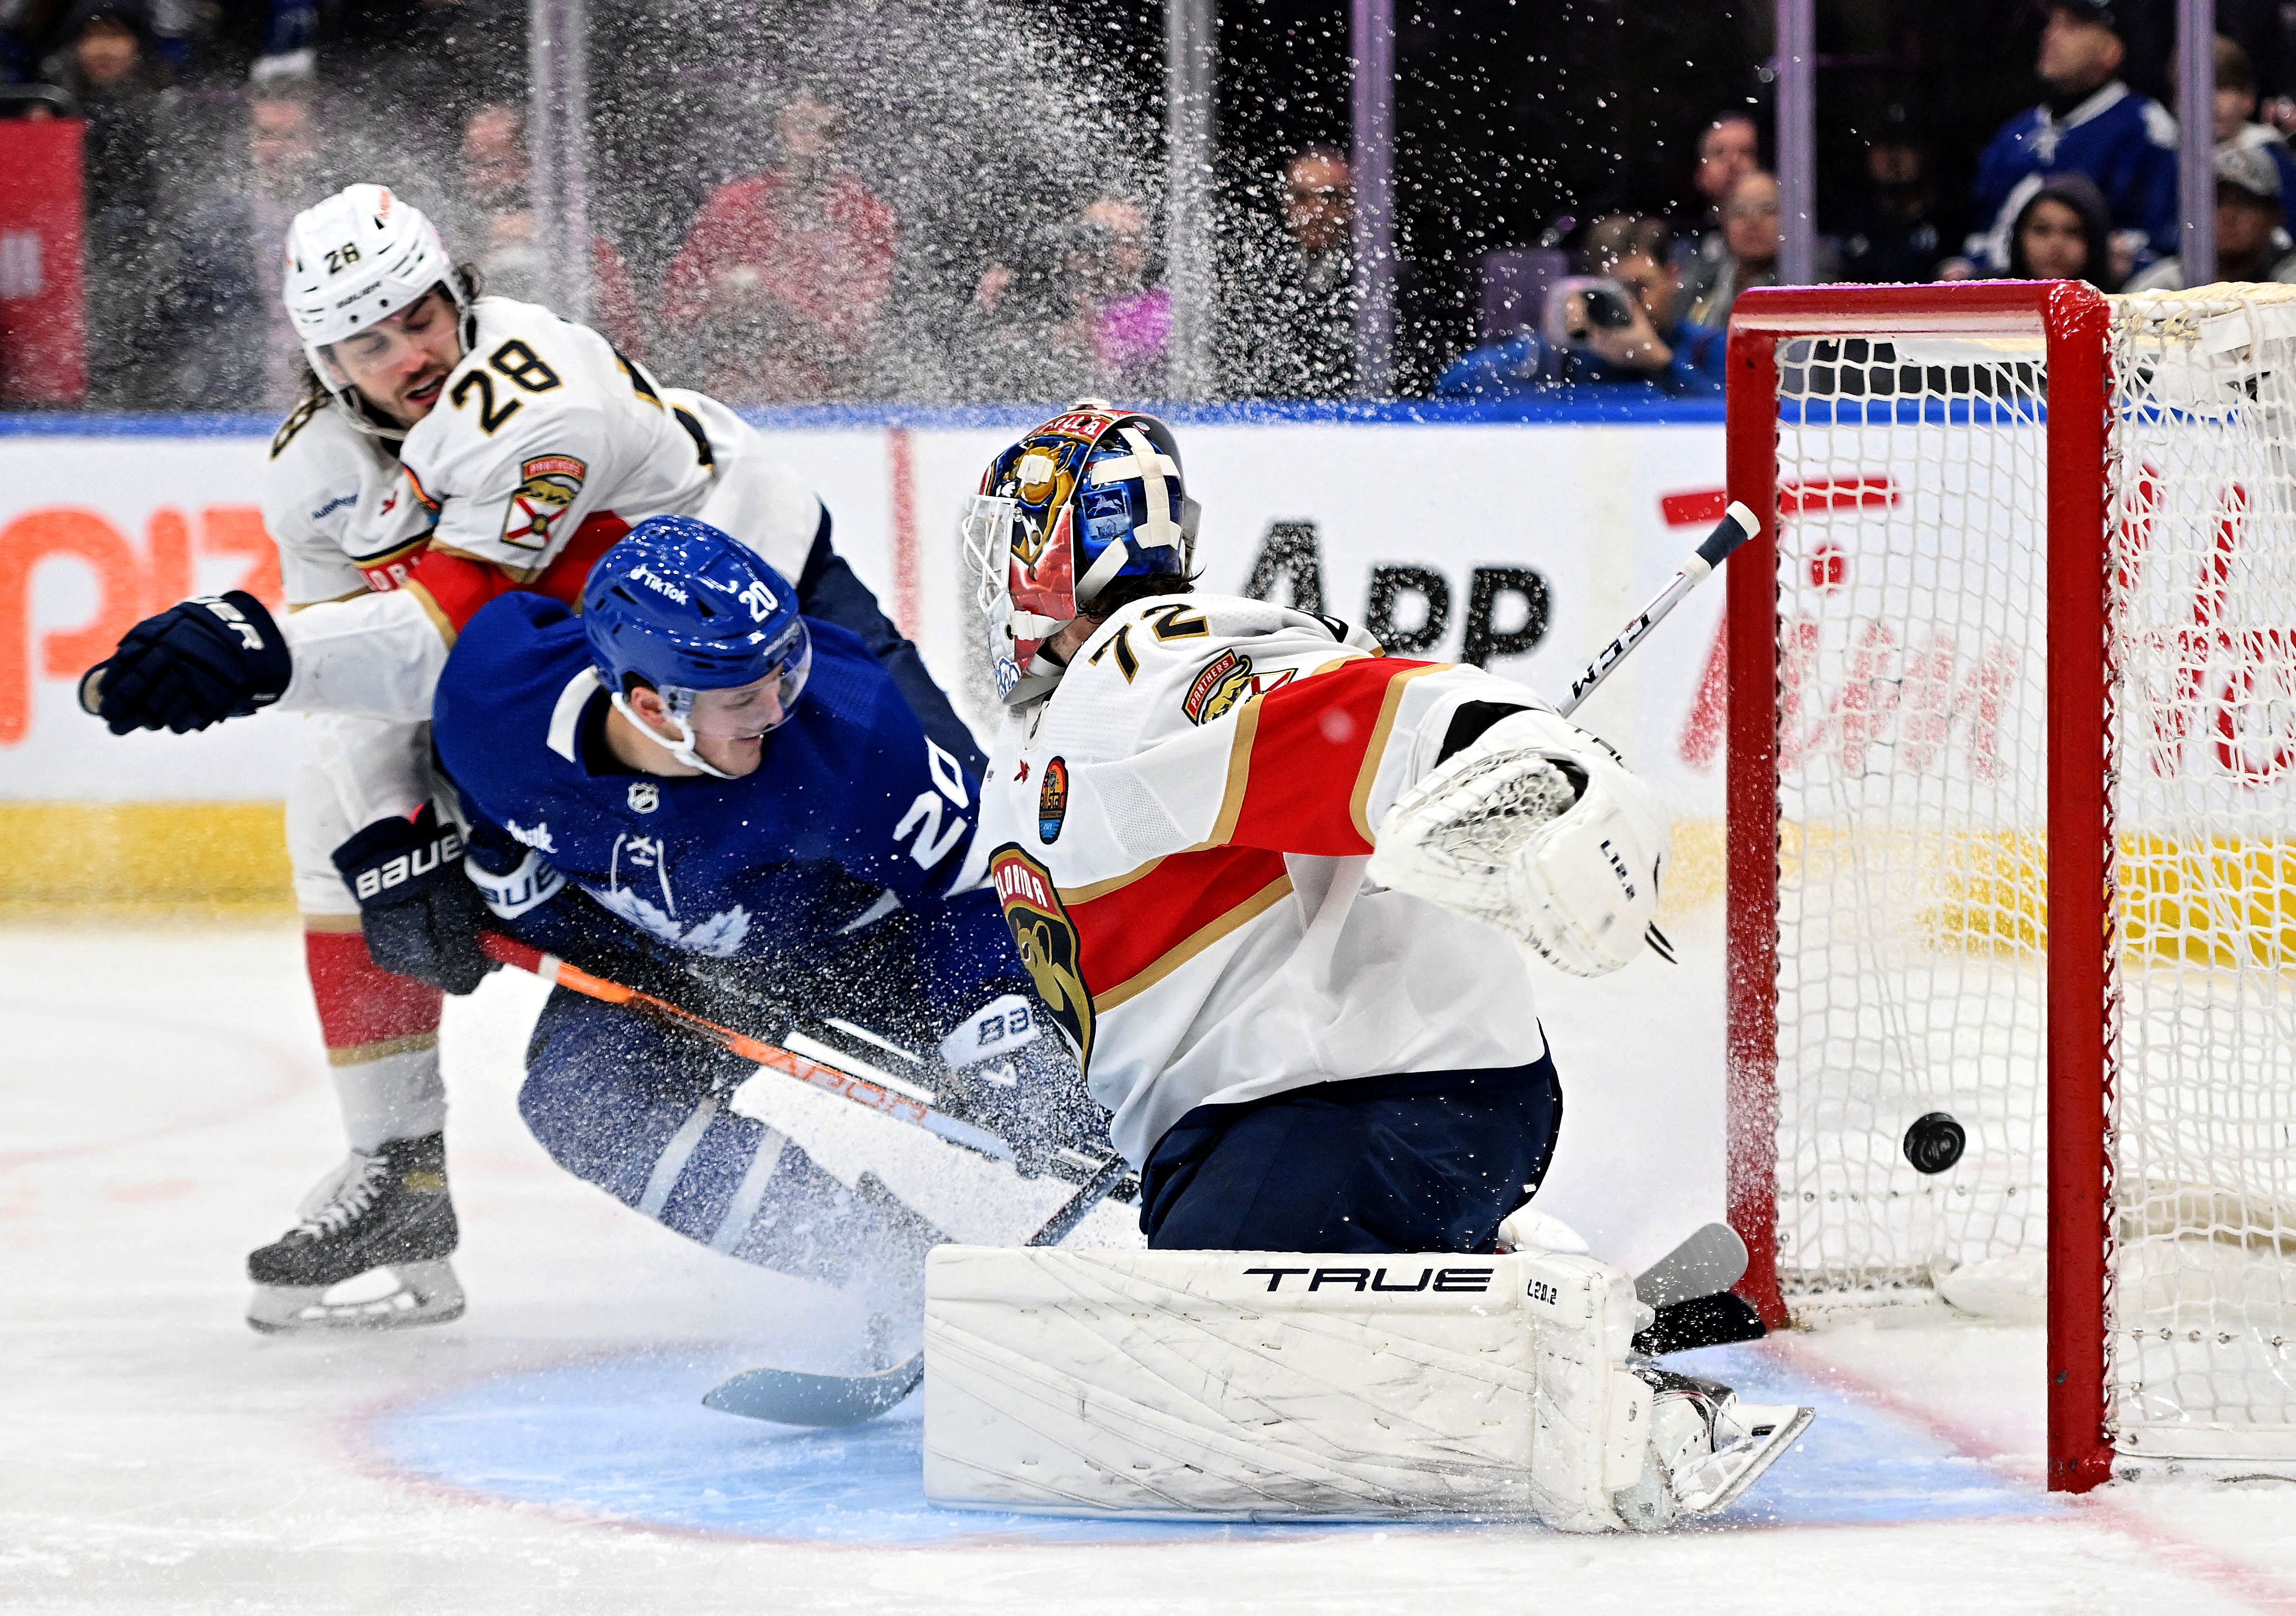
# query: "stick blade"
{"type": "Point", "coordinates": [786, 1397]}
{"type": "Point", "coordinates": [1713, 1258]}
{"type": "Point", "coordinates": [1702, 1321]}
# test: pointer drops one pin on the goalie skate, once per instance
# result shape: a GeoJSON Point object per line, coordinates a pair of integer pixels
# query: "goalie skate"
{"type": "Point", "coordinates": [1707, 1447]}
{"type": "Point", "coordinates": [386, 1216]}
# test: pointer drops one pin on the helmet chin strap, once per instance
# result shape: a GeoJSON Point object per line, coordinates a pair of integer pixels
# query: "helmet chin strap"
{"type": "Point", "coordinates": [682, 748]}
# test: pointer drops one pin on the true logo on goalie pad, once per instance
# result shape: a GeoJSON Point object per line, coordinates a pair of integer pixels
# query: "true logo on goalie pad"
{"type": "Point", "coordinates": [1367, 1279]}
{"type": "Point", "coordinates": [1046, 939]}
{"type": "Point", "coordinates": [548, 485]}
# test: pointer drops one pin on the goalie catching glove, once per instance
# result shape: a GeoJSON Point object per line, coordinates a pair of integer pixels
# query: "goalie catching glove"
{"type": "Point", "coordinates": [421, 916]}
{"type": "Point", "coordinates": [196, 664]}
{"type": "Point", "coordinates": [1537, 828]}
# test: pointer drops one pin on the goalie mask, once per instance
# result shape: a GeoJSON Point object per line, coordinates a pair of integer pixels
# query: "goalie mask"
{"type": "Point", "coordinates": [1090, 497]}
{"type": "Point", "coordinates": [353, 261]}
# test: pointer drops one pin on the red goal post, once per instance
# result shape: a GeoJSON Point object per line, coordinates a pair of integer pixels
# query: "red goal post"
{"type": "Point", "coordinates": [2004, 828]}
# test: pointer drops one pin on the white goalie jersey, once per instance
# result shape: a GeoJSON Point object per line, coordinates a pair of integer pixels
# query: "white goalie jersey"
{"type": "Point", "coordinates": [542, 433]}
{"type": "Point", "coordinates": [1179, 832]}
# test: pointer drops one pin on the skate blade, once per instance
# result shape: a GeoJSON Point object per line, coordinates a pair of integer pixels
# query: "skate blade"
{"type": "Point", "coordinates": [426, 1294]}
{"type": "Point", "coordinates": [1716, 1481]}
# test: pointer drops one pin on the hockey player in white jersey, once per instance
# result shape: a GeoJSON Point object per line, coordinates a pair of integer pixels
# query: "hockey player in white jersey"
{"type": "Point", "coordinates": [1284, 894]}
{"type": "Point", "coordinates": [450, 446]}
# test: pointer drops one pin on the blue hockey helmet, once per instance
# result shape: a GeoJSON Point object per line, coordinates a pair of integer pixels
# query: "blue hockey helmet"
{"type": "Point", "coordinates": [681, 608]}
{"type": "Point", "coordinates": [1092, 495]}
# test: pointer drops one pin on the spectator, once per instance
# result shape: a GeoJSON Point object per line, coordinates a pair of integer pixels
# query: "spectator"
{"type": "Point", "coordinates": [1647, 348]}
{"type": "Point", "coordinates": [108, 69]}
{"type": "Point", "coordinates": [785, 275]}
{"type": "Point", "coordinates": [1294, 303]}
{"type": "Point", "coordinates": [496, 220]}
{"type": "Point", "coordinates": [2090, 123]}
{"type": "Point", "coordinates": [1121, 320]}
{"type": "Point", "coordinates": [1016, 335]}
{"type": "Point", "coordinates": [238, 351]}
{"type": "Point", "coordinates": [1890, 232]}
{"type": "Point", "coordinates": [1727, 152]}
{"type": "Point", "coordinates": [1751, 239]}
{"type": "Point", "coordinates": [2236, 112]}
{"type": "Point", "coordinates": [2064, 233]}
{"type": "Point", "coordinates": [2250, 243]}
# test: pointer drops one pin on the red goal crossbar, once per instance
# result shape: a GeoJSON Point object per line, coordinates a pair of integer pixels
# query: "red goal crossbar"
{"type": "Point", "coordinates": [2075, 321]}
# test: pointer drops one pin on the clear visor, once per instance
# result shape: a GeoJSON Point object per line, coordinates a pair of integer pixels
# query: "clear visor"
{"type": "Point", "coordinates": [747, 711]}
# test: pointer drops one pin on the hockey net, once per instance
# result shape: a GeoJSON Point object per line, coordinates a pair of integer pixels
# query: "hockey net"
{"type": "Point", "coordinates": [2012, 835]}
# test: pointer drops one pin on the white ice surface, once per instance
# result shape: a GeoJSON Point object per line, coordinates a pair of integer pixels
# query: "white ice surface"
{"type": "Point", "coordinates": [163, 1102]}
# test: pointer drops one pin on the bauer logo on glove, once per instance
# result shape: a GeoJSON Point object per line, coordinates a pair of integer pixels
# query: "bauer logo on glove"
{"type": "Point", "coordinates": [421, 914]}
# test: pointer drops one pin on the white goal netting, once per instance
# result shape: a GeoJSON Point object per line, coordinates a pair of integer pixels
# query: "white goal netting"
{"type": "Point", "coordinates": [1913, 576]}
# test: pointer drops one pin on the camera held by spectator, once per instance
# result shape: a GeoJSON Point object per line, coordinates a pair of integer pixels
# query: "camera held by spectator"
{"type": "Point", "coordinates": [1612, 324]}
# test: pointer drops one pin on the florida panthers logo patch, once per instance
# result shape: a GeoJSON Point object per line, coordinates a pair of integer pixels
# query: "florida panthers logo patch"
{"type": "Point", "coordinates": [1226, 680]}
{"type": "Point", "coordinates": [1047, 940]}
{"type": "Point", "coordinates": [548, 485]}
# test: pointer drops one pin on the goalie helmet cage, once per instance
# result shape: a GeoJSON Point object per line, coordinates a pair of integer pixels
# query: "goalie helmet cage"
{"type": "Point", "coordinates": [2012, 832]}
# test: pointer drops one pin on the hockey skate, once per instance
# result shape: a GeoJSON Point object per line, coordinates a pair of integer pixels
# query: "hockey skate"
{"type": "Point", "coordinates": [389, 1210]}
{"type": "Point", "coordinates": [1707, 1446]}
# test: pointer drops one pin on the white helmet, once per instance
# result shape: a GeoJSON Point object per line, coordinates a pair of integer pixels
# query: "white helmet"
{"type": "Point", "coordinates": [359, 256]}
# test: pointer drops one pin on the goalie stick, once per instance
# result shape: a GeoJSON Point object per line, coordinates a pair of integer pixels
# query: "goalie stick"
{"type": "Point", "coordinates": [1738, 524]}
{"type": "Point", "coordinates": [1689, 1288]}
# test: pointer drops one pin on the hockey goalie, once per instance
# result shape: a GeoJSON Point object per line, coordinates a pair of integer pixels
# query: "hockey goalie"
{"type": "Point", "coordinates": [1283, 895]}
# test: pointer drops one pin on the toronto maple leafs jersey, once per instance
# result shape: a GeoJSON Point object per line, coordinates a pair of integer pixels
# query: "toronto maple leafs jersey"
{"type": "Point", "coordinates": [853, 813]}
{"type": "Point", "coordinates": [2125, 141]}
{"type": "Point", "coordinates": [1178, 834]}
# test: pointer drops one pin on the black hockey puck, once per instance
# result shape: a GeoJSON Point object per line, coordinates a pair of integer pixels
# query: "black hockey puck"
{"type": "Point", "coordinates": [1934, 1143]}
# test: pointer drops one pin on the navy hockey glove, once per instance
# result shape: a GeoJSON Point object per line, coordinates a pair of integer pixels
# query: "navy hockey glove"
{"type": "Point", "coordinates": [195, 664]}
{"type": "Point", "coordinates": [421, 914]}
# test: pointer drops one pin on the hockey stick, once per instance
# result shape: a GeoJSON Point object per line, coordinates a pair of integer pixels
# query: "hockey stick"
{"type": "Point", "coordinates": [878, 1097]}
{"type": "Point", "coordinates": [1738, 524]}
{"type": "Point", "coordinates": [1689, 1288]}
{"type": "Point", "coordinates": [789, 1397]}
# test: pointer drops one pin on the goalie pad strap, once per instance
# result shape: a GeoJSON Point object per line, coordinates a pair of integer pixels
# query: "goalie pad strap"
{"type": "Point", "coordinates": [1256, 1385]}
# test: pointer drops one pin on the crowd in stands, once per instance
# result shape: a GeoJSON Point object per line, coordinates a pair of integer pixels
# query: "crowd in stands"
{"type": "Point", "coordinates": [787, 283]}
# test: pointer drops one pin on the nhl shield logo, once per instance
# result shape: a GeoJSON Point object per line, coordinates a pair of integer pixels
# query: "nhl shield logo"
{"type": "Point", "coordinates": [1052, 800]}
{"type": "Point", "coordinates": [1047, 940]}
{"type": "Point", "coordinates": [645, 796]}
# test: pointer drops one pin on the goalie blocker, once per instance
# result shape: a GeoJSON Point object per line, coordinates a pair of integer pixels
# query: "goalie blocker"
{"type": "Point", "coordinates": [1244, 1385]}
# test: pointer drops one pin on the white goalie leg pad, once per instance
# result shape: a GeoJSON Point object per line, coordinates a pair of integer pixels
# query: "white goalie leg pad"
{"type": "Point", "coordinates": [1539, 830]}
{"type": "Point", "coordinates": [1255, 1385]}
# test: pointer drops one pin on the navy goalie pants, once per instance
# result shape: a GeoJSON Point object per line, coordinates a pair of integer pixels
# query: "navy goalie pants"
{"type": "Point", "coordinates": [1429, 1161]}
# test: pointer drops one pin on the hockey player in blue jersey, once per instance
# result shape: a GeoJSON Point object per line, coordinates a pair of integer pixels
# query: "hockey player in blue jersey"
{"type": "Point", "coordinates": [689, 770]}
{"type": "Point", "coordinates": [2092, 123]}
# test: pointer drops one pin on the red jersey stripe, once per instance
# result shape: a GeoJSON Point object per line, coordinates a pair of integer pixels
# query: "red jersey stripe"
{"type": "Point", "coordinates": [1132, 937]}
{"type": "Point", "coordinates": [1313, 750]}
